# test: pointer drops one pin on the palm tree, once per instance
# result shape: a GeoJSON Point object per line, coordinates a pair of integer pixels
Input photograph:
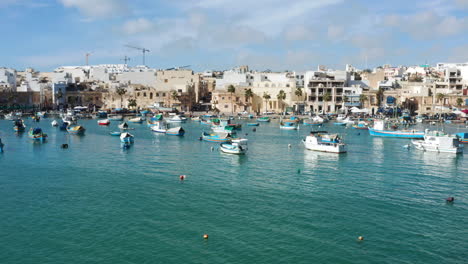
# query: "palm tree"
{"type": "Point", "coordinates": [121, 91]}
{"type": "Point", "coordinates": [362, 99]}
{"type": "Point", "coordinates": [174, 96]}
{"type": "Point", "coordinates": [231, 89]}
{"type": "Point", "coordinates": [281, 96]}
{"type": "Point", "coordinates": [267, 98]}
{"type": "Point", "coordinates": [132, 102]}
{"type": "Point", "coordinates": [459, 102]}
{"type": "Point", "coordinates": [298, 92]}
{"type": "Point", "coordinates": [248, 94]}
{"type": "Point", "coordinates": [326, 98]}
{"type": "Point", "coordinates": [379, 95]}
{"type": "Point", "coordinates": [440, 97]}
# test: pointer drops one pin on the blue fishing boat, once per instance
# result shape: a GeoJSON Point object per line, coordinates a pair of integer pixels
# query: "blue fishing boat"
{"type": "Point", "coordinates": [126, 138]}
{"type": "Point", "coordinates": [64, 126]}
{"type": "Point", "coordinates": [216, 137]}
{"type": "Point", "coordinates": [339, 124]}
{"type": "Point", "coordinates": [144, 112]}
{"type": "Point", "coordinates": [253, 124]}
{"type": "Point", "coordinates": [380, 130]}
{"type": "Point", "coordinates": [463, 137]}
{"type": "Point", "coordinates": [115, 133]}
{"type": "Point", "coordinates": [263, 119]}
{"type": "Point", "coordinates": [76, 130]}
{"type": "Point", "coordinates": [37, 134]}
{"type": "Point", "coordinates": [154, 120]}
{"type": "Point", "coordinates": [101, 114]}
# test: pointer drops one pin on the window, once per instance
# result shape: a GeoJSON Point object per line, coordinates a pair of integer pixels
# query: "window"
{"type": "Point", "coordinates": [165, 80]}
{"type": "Point", "coordinates": [151, 95]}
{"type": "Point", "coordinates": [225, 106]}
{"type": "Point", "coordinates": [222, 98]}
{"type": "Point", "coordinates": [138, 94]}
{"type": "Point", "coordinates": [157, 94]}
{"type": "Point", "coordinates": [164, 94]}
{"type": "Point", "coordinates": [180, 90]}
{"type": "Point", "coordinates": [144, 94]}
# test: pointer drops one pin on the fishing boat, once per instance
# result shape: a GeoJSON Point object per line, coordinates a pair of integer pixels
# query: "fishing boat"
{"type": "Point", "coordinates": [69, 119]}
{"type": "Point", "coordinates": [159, 127]}
{"type": "Point", "coordinates": [154, 120]}
{"type": "Point", "coordinates": [323, 142]}
{"type": "Point", "coordinates": [237, 147]}
{"type": "Point", "coordinates": [36, 118]}
{"type": "Point", "coordinates": [175, 131]}
{"type": "Point", "coordinates": [263, 119]}
{"type": "Point", "coordinates": [115, 117]}
{"type": "Point", "coordinates": [195, 118]}
{"type": "Point", "coordinates": [340, 117]}
{"type": "Point", "coordinates": [216, 137]}
{"type": "Point", "coordinates": [37, 134]}
{"type": "Point", "coordinates": [361, 125]}
{"type": "Point", "coordinates": [379, 130]}
{"type": "Point", "coordinates": [144, 112]}
{"type": "Point", "coordinates": [54, 123]}
{"type": "Point", "coordinates": [124, 126]}
{"type": "Point", "coordinates": [136, 120]}
{"type": "Point", "coordinates": [101, 114]}
{"type": "Point", "coordinates": [438, 141]}
{"type": "Point", "coordinates": [463, 137]}
{"type": "Point", "coordinates": [126, 138]}
{"type": "Point", "coordinates": [76, 130]}
{"type": "Point", "coordinates": [348, 120]}
{"type": "Point", "coordinates": [253, 124]}
{"type": "Point", "coordinates": [103, 122]}
{"type": "Point", "coordinates": [177, 119]}
{"type": "Point", "coordinates": [312, 122]}
{"type": "Point", "coordinates": [206, 122]}
{"type": "Point", "coordinates": [115, 133]}
{"type": "Point", "coordinates": [19, 126]}
{"type": "Point", "coordinates": [42, 114]}
{"type": "Point", "coordinates": [289, 125]}
{"type": "Point", "coordinates": [339, 124]}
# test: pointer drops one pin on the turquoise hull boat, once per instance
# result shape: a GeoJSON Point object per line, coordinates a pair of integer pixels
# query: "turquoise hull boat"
{"type": "Point", "coordinates": [413, 134]}
{"type": "Point", "coordinates": [216, 137]}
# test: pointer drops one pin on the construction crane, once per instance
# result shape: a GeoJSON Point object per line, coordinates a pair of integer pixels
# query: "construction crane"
{"type": "Point", "coordinates": [87, 57]}
{"type": "Point", "coordinates": [126, 59]}
{"type": "Point", "coordinates": [184, 67]}
{"type": "Point", "coordinates": [143, 50]}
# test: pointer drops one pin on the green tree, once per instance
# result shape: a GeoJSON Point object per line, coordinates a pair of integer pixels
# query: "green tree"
{"type": "Point", "coordinates": [132, 102]}
{"type": "Point", "coordinates": [362, 99]}
{"type": "Point", "coordinates": [267, 98]}
{"type": "Point", "coordinates": [174, 96]}
{"type": "Point", "coordinates": [326, 98]}
{"type": "Point", "coordinates": [379, 96]}
{"type": "Point", "coordinates": [281, 96]}
{"type": "Point", "coordinates": [440, 97]}
{"type": "Point", "coordinates": [459, 102]}
{"type": "Point", "coordinates": [231, 89]}
{"type": "Point", "coordinates": [248, 95]}
{"type": "Point", "coordinates": [121, 91]}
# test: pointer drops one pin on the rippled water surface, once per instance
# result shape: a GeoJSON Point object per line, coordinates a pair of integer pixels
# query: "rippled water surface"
{"type": "Point", "coordinates": [98, 203]}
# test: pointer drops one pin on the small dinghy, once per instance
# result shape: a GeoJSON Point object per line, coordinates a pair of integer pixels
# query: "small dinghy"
{"type": "Point", "coordinates": [126, 138]}
{"type": "Point", "coordinates": [54, 123]}
{"type": "Point", "coordinates": [115, 133]}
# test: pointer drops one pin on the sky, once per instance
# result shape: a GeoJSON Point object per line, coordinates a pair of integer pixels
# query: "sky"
{"type": "Point", "coordinates": [293, 35]}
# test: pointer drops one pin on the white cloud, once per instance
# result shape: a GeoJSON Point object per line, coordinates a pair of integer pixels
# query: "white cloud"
{"type": "Point", "coordinates": [140, 25]}
{"type": "Point", "coordinates": [98, 9]}
{"type": "Point", "coordinates": [335, 32]}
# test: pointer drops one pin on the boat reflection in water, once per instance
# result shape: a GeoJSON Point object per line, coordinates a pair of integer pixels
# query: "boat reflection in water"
{"type": "Point", "coordinates": [315, 160]}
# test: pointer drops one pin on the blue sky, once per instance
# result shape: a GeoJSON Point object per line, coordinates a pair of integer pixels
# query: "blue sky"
{"type": "Point", "coordinates": [221, 34]}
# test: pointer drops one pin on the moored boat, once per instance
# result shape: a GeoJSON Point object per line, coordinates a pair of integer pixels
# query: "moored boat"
{"type": "Point", "coordinates": [76, 130]}
{"type": "Point", "coordinates": [54, 123]}
{"type": "Point", "coordinates": [159, 127]}
{"type": "Point", "coordinates": [379, 130]}
{"type": "Point", "coordinates": [42, 114]}
{"type": "Point", "coordinates": [319, 141]}
{"type": "Point", "coordinates": [126, 138]}
{"type": "Point", "coordinates": [115, 117]}
{"type": "Point", "coordinates": [312, 122]}
{"type": "Point", "coordinates": [115, 133]}
{"type": "Point", "coordinates": [438, 141]}
{"type": "Point", "coordinates": [263, 119]}
{"type": "Point", "coordinates": [19, 126]}
{"type": "Point", "coordinates": [238, 147]}
{"type": "Point", "coordinates": [361, 125]}
{"type": "Point", "coordinates": [103, 122]}
{"type": "Point", "coordinates": [175, 131]}
{"type": "Point", "coordinates": [290, 124]}
{"type": "Point", "coordinates": [136, 120]}
{"type": "Point", "coordinates": [216, 137]}
{"type": "Point", "coordinates": [37, 134]}
{"type": "Point", "coordinates": [177, 119]}
{"type": "Point", "coordinates": [463, 137]}
{"type": "Point", "coordinates": [124, 126]}
{"type": "Point", "coordinates": [253, 124]}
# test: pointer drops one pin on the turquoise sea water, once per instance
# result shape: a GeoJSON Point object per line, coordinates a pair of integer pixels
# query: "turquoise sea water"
{"type": "Point", "coordinates": [97, 203]}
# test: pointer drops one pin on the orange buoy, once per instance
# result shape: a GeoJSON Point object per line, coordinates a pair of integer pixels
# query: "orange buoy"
{"type": "Point", "coordinates": [182, 177]}
{"type": "Point", "coordinates": [205, 236]}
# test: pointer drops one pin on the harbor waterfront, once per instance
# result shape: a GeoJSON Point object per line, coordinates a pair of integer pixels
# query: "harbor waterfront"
{"type": "Point", "coordinates": [96, 202]}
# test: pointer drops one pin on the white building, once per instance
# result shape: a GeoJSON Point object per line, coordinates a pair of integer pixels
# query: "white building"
{"type": "Point", "coordinates": [7, 79]}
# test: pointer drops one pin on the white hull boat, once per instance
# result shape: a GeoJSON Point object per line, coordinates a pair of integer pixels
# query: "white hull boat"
{"type": "Point", "coordinates": [436, 141]}
{"type": "Point", "coordinates": [315, 142]}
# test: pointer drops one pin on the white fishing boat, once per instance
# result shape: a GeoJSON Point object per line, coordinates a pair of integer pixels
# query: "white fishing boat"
{"type": "Point", "coordinates": [340, 117]}
{"type": "Point", "coordinates": [136, 120]}
{"type": "Point", "coordinates": [115, 117]}
{"type": "Point", "coordinates": [126, 138]}
{"type": "Point", "coordinates": [124, 126]}
{"type": "Point", "coordinates": [319, 141]}
{"type": "Point", "coordinates": [438, 141]}
{"type": "Point", "coordinates": [236, 146]}
{"type": "Point", "coordinates": [54, 123]}
{"type": "Point", "coordinates": [291, 124]}
{"type": "Point", "coordinates": [104, 122]}
{"type": "Point", "coordinates": [177, 119]}
{"type": "Point", "coordinates": [159, 127]}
